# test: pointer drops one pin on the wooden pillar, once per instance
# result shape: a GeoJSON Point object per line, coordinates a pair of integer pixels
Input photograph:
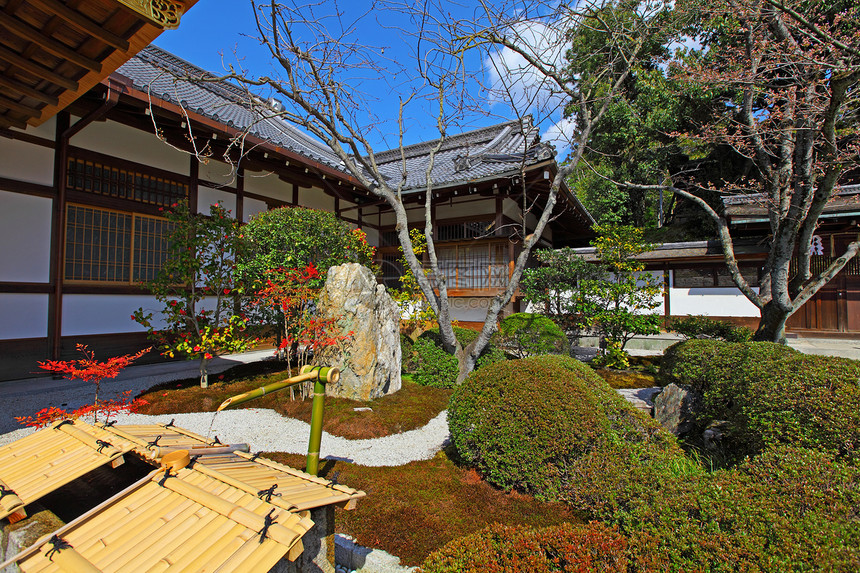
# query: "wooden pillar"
{"type": "Point", "coordinates": [295, 194]}
{"type": "Point", "coordinates": [240, 194]}
{"type": "Point", "coordinates": [194, 176]}
{"type": "Point", "coordinates": [500, 218]}
{"type": "Point", "coordinates": [58, 233]}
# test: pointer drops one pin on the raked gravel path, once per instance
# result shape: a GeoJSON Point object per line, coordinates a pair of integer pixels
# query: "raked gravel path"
{"type": "Point", "coordinates": [265, 430]}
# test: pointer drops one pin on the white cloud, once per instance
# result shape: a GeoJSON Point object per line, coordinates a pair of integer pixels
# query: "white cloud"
{"type": "Point", "coordinates": [560, 134]}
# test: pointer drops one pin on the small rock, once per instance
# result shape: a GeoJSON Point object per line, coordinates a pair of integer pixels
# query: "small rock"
{"type": "Point", "coordinates": [362, 409]}
{"type": "Point", "coordinates": [675, 408]}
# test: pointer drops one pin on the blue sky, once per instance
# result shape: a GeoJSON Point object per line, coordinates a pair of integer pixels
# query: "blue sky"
{"type": "Point", "coordinates": [216, 33]}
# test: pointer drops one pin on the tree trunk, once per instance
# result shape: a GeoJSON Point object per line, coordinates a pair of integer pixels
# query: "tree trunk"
{"type": "Point", "coordinates": [771, 327]}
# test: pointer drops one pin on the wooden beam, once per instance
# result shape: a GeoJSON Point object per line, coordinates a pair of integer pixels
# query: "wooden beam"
{"type": "Point", "coordinates": [19, 107]}
{"type": "Point", "coordinates": [6, 122]}
{"type": "Point", "coordinates": [26, 90]}
{"type": "Point", "coordinates": [37, 70]}
{"type": "Point", "coordinates": [82, 23]}
{"type": "Point", "coordinates": [50, 45]}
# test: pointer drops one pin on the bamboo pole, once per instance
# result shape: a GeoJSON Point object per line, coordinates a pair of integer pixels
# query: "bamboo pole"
{"type": "Point", "coordinates": [308, 373]}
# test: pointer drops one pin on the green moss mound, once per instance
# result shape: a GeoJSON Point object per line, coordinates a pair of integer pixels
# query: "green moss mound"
{"type": "Point", "coordinates": [433, 366]}
{"type": "Point", "coordinates": [526, 334]}
{"type": "Point", "coordinates": [524, 423]}
{"type": "Point", "coordinates": [566, 547]}
{"type": "Point", "coordinates": [770, 394]}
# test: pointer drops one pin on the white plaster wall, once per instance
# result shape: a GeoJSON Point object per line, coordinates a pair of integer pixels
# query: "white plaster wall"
{"type": "Point", "coordinates": [314, 198]}
{"type": "Point", "coordinates": [118, 140]}
{"type": "Point", "coordinates": [463, 208]}
{"type": "Point", "coordinates": [25, 238]}
{"type": "Point", "coordinates": [268, 184]}
{"type": "Point", "coordinates": [387, 219]}
{"type": "Point", "coordinates": [105, 314]}
{"type": "Point", "coordinates": [24, 161]}
{"type": "Point", "coordinates": [251, 207]}
{"type": "Point", "coordinates": [23, 316]}
{"type": "Point", "coordinates": [714, 301]}
{"type": "Point", "coordinates": [206, 197]}
{"type": "Point", "coordinates": [222, 174]}
{"type": "Point", "coordinates": [372, 236]}
{"type": "Point", "coordinates": [470, 309]}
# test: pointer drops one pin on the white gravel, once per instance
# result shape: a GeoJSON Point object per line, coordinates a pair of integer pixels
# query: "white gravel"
{"type": "Point", "coordinates": [265, 430]}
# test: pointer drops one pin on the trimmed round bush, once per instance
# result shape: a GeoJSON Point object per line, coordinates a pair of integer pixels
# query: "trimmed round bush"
{"type": "Point", "coordinates": [770, 394]}
{"type": "Point", "coordinates": [698, 326]}
{"type": "Point", "coordinates": [526, 334]}
{"type": "Point", "coordinates": [524, 423]}
{"type": "Point", "coordinates": [501, 548]}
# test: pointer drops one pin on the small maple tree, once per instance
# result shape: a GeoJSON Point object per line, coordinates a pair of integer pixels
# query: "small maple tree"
{"type": "Point", "coordinates": [87, 369]}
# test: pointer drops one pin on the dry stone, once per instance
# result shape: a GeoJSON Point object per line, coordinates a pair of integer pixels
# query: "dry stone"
{"type": "Point", "coordinates": [676, 407]}
{"type": "Point", "coordinates": [370, 359]}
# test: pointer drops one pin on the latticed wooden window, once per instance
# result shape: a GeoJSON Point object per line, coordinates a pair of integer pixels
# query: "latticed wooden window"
{"type": "Point", "coordinates": [475, 266]}
{"type": "Point", "coordinates": [98, 245]}
{"type": "Point", "coordinates": [109, 246]}
{"type": "Point", "coordinates": [151, 242]}
{"type": "Point", "coordinates": [123, 183]}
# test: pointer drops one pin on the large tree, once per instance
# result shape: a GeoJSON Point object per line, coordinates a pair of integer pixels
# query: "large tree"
{"type": "Point", "coordinates": [790, 69]}
{"type": "Point", "coordinates": [320, 62]}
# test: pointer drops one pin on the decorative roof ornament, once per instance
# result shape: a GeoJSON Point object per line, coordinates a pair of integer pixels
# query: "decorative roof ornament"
{"type": "Point", "coordinates": [543, 151]}
{"type": "Point", "coordinates": [462, 163]}
{"type": "Point", "coordinates": [162, 13]}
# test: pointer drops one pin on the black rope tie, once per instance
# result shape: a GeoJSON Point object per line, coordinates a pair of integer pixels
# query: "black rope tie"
{"type": "Point", "coordinates": [57, 545]}
{"type": "Point", "coordinates": [110, 424]}
{"type": "Point", "coordinates": [4, 491]}
{"type": "Point", "coordinates": [255, 456]}
{"type": "Point", "coordinates": [153, 443]}
{"type": "Point", "coordinates": [217, 441]}
{"type": "Point", "coordinates": [268, 521]}
{"type": "Point", "coordinates": [164, 477]}
{"type": "Point", "coordinates": [102, 445]}
{"type": "Point", "coordinates": [334, 477]}
{"type": "Point", "coordinates": [268, 493]}
{"type": "Point", "coordinates": [193, 460]}
{"type": "Point", "coordinates": [170, 424]}
{"type": "Point", "coordinates": [63, 423]}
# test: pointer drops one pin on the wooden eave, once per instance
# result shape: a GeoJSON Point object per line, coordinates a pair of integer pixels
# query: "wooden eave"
{"type": "Point", "coordinates": [52, 52]}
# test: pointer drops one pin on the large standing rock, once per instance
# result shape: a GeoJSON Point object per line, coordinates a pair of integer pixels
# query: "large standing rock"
{"type": "Point", "coordinates": [370, 360]}
{"type": "Point", "coordinates": [676, 407]}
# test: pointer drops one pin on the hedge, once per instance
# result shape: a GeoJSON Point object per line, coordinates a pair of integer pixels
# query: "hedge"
{"type": "Point", "coordinates": [529, 334]}
{"type": "Point", "coordinates": [434, 366]}
{"type": "Point", "coordinates": [770, 394]}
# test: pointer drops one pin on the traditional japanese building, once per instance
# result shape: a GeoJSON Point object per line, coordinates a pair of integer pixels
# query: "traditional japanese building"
{"type": "Point", "coordinates": [83, 191]}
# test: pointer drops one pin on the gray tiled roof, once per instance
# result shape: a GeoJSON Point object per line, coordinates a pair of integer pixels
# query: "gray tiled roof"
{"type": "Point", "coordinates": [168, 77]}
{"type": "Point", "coordinates": [483, 153]}
{"type": "Point", "coordinates": [471, 156]}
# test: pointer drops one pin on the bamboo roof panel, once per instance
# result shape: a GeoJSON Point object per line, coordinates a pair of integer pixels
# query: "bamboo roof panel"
{"type": "Point", "coordinates": [44, 461]}
{"type": "Point", "coordinates": [186, 522]}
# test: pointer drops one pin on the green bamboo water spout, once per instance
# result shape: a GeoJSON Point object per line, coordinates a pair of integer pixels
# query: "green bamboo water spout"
{"type": "Point", "coordinates": [321, 376]}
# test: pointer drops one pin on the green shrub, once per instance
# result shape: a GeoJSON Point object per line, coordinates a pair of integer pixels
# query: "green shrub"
{"type": "Point", "coordinates": [790, 509]}
{"type": "Point", "coordinates": [698, 326]}
{"type": "Point", "coordinates": [500, 548]}
{"type": "Point", "coordinates": [523, 423]}
{"type": "Point", "coordinates": [433, 366]}
{"type": "Point", "coordinates": [526, 334]}
{"type": "Point", "coordinates": [770, 395]}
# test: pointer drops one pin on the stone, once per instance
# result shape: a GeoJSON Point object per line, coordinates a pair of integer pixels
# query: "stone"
{"type": "Point", "coordinates": [713, 435]}
{"type": "Point", "coordinates": [675, 408]}
{"type": "Point", "coordinates": [370, 360]}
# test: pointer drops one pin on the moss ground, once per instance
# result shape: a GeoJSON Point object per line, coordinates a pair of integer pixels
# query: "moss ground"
{"type": "Point", "coordinates": [412, 407]}
{"type": "Point", "coordinates": [414, 509]}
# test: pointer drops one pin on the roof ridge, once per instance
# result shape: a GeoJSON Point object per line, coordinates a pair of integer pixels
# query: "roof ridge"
{"type": "Point", "coordinates": [452, 141]}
